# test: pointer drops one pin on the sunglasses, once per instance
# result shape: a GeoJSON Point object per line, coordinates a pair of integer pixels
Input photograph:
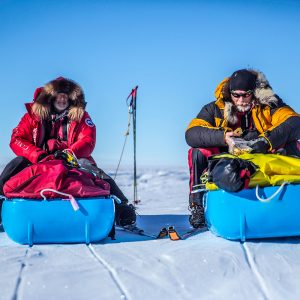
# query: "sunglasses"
{"type": "Point", "coordinates": [243, 95]}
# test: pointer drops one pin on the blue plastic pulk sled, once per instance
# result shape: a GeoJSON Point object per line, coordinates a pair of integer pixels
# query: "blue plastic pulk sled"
{"type": "Point", "coordinates": [254, 213]}
{"type": "Point", "coordinates": [54, 221]}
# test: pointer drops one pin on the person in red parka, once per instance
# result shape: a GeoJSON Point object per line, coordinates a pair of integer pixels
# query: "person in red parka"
{"type": "Point", "coordinates": [56, 120]}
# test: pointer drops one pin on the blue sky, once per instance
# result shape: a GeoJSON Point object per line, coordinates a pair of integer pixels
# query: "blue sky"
{"type": "Point", "coordinates": [176, 51]}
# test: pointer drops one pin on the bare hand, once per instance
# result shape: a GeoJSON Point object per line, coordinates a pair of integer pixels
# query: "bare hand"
{"type": "Point", "coordinates": [228, 137]}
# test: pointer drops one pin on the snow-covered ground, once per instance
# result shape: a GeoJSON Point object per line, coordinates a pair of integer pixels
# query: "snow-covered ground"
{"type": "Point", "coordinates": [135, 267]}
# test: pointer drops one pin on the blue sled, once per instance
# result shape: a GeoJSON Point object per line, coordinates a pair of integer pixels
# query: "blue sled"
{"type": "Point", "coordinates": [54, 221]}
{"type": "Point", "coordinates": [241, 216]}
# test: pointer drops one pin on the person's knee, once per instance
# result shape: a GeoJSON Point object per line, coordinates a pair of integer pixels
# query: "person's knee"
{"type": "Point", "coordinates": [194, 155]}
{"type": "Point", "coordinates": [13, 167]}
{"type": "Point", "coordinates": [291, 149]}
{"type": "Point", "coordinates": [198, 156]}
{"type": "Point", "coordinates": [21, 160]}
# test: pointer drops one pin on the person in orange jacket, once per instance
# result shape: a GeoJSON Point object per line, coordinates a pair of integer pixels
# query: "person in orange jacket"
{"type": "Point", "coordinates": [57, 120]}
{"type": "Point", "coordinates": [245, 106]}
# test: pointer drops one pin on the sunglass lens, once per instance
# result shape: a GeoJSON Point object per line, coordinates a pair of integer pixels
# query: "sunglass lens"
{"type": "Point", "coordinates": [244, 95]}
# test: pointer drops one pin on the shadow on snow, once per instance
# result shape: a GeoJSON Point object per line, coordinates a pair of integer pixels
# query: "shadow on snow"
{"type": "Point", "coordinates": [152, 224]}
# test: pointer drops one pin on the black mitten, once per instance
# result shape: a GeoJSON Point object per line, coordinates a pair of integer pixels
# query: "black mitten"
{"type": "Point", "coordinates": [259, 145]}
{"type": "Point", "coordinates": [250, 134]}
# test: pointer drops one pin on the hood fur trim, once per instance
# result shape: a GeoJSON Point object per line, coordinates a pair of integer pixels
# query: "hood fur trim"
{"type": "Point", "coordinates": [263, 95]}
{"type": "Point", "coordinates": [46, 95]}
{"type": "Point", "coordinates": [41, 111]}
{"type": "Point", "coordinates": [230, 113]}
{"type": "Point", "coordinates": [263, 91]}
{"type": "Point", "coordinates": [75, 113]}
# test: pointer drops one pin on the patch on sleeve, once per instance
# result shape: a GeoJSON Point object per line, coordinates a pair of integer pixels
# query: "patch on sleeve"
{"type": "Point", "coordinates": [89, 122]}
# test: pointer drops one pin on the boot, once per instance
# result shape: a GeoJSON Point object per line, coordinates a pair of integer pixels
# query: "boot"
{"type": "Point", "coordinates": [197, 217]}
{"type": "Point", "coordinates": [125, 214]}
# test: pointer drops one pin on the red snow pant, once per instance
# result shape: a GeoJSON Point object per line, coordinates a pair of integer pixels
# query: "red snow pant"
{"type": "Point", "coordinates": [197, 159]}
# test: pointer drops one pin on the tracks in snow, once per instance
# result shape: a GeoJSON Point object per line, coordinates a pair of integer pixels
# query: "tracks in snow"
{"type": "Point", "coordinates": [112, 272]}
{"type": "Point", "coordinates": [252, 264]}
{"type": "Point", "coordinates": [20, 275]}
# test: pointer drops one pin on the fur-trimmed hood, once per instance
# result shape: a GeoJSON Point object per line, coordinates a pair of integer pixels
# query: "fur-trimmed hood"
{"type": "Point", "coordinates": [44, 97]}
{"type": "Point", "coordinates": [263, 95]}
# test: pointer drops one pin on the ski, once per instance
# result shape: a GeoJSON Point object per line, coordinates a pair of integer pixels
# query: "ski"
{"type": "Point", "coordinates": [170, 231]}
{"type": "Point", "coordinates": [163, 233]}
{"type": "Point", "coordinates": [192, 232]}
{"type": "Point", "coordinates": [136, 230]}
{"type": "Point", "coordinates": [175, 236]}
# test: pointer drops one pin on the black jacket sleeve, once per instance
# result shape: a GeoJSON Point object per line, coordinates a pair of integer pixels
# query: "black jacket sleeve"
{"type": "Point", "coordinates": [285, 133]}
{"type": "Point", "coordinates": [287, 125]}
{"type": "Point", "coordinates": [203, 132]}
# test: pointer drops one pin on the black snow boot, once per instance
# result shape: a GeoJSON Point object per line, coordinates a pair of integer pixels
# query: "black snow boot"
{"type": "Point", "coordinates": [197, 217]}
{"type": "Point", "coordinates": [125, 214]}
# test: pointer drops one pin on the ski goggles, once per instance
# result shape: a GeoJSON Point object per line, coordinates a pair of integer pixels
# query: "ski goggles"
{"type": "Point", "coordinates": [243, 95]}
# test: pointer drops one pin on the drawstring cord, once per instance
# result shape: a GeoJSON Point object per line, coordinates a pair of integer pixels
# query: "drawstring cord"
{"type": "Point", "coordinates": [70, 197]}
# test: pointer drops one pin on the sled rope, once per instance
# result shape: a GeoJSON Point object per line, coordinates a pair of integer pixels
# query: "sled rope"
{"type": "Point", "coordinates": [70, 197]}
{"type": "Point", "coordinates": [198, 190]}
{"type": "Point", "coordinates": [118, 200]}
{"type": "Point", "coordinates": [272, 196]}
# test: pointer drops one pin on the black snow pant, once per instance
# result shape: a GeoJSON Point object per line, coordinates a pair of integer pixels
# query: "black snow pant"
{"type": "Point", "coordinates": [11, 169]}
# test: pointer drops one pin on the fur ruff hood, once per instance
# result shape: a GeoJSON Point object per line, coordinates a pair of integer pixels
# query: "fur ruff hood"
{"type": "Point", "coordinates": [44, 97]}
{"type": "Point", "coordinates": [263, 95]}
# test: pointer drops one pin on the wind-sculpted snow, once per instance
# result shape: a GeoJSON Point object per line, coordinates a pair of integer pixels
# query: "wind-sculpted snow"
{"type": "Point", "coordinates": [138, 267]}
{"type": "Point", "coordinates": [159, 188]}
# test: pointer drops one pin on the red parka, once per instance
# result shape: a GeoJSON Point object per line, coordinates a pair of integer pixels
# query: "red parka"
{"type": "Point", "coordinates": [28, 137]}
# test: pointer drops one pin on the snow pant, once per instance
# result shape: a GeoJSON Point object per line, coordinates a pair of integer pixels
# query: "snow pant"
{"type": "Point", "coordinates": [290, 149]}
{"type": "Point", "coordinates": [20, 162]}
{"type": "Point", "coordinates": [197, 159]}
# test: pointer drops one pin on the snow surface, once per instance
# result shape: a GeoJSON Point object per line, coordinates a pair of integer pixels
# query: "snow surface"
{"type": "Point", "coordinates": [135, 267]}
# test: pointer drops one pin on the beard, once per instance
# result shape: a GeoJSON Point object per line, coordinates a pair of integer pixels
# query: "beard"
{"type": "Point", "coordinates": [243, 108]}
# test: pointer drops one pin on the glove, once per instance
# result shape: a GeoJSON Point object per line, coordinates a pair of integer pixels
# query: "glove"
{"type": "Point", "coordinates": [250, 134]}
{"type": "Point", "coordinates": [260, 145]}
{"type": "Point", "coordinates": [54, 145]}
{"type": "Point", "coordinates": [60, 155]}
